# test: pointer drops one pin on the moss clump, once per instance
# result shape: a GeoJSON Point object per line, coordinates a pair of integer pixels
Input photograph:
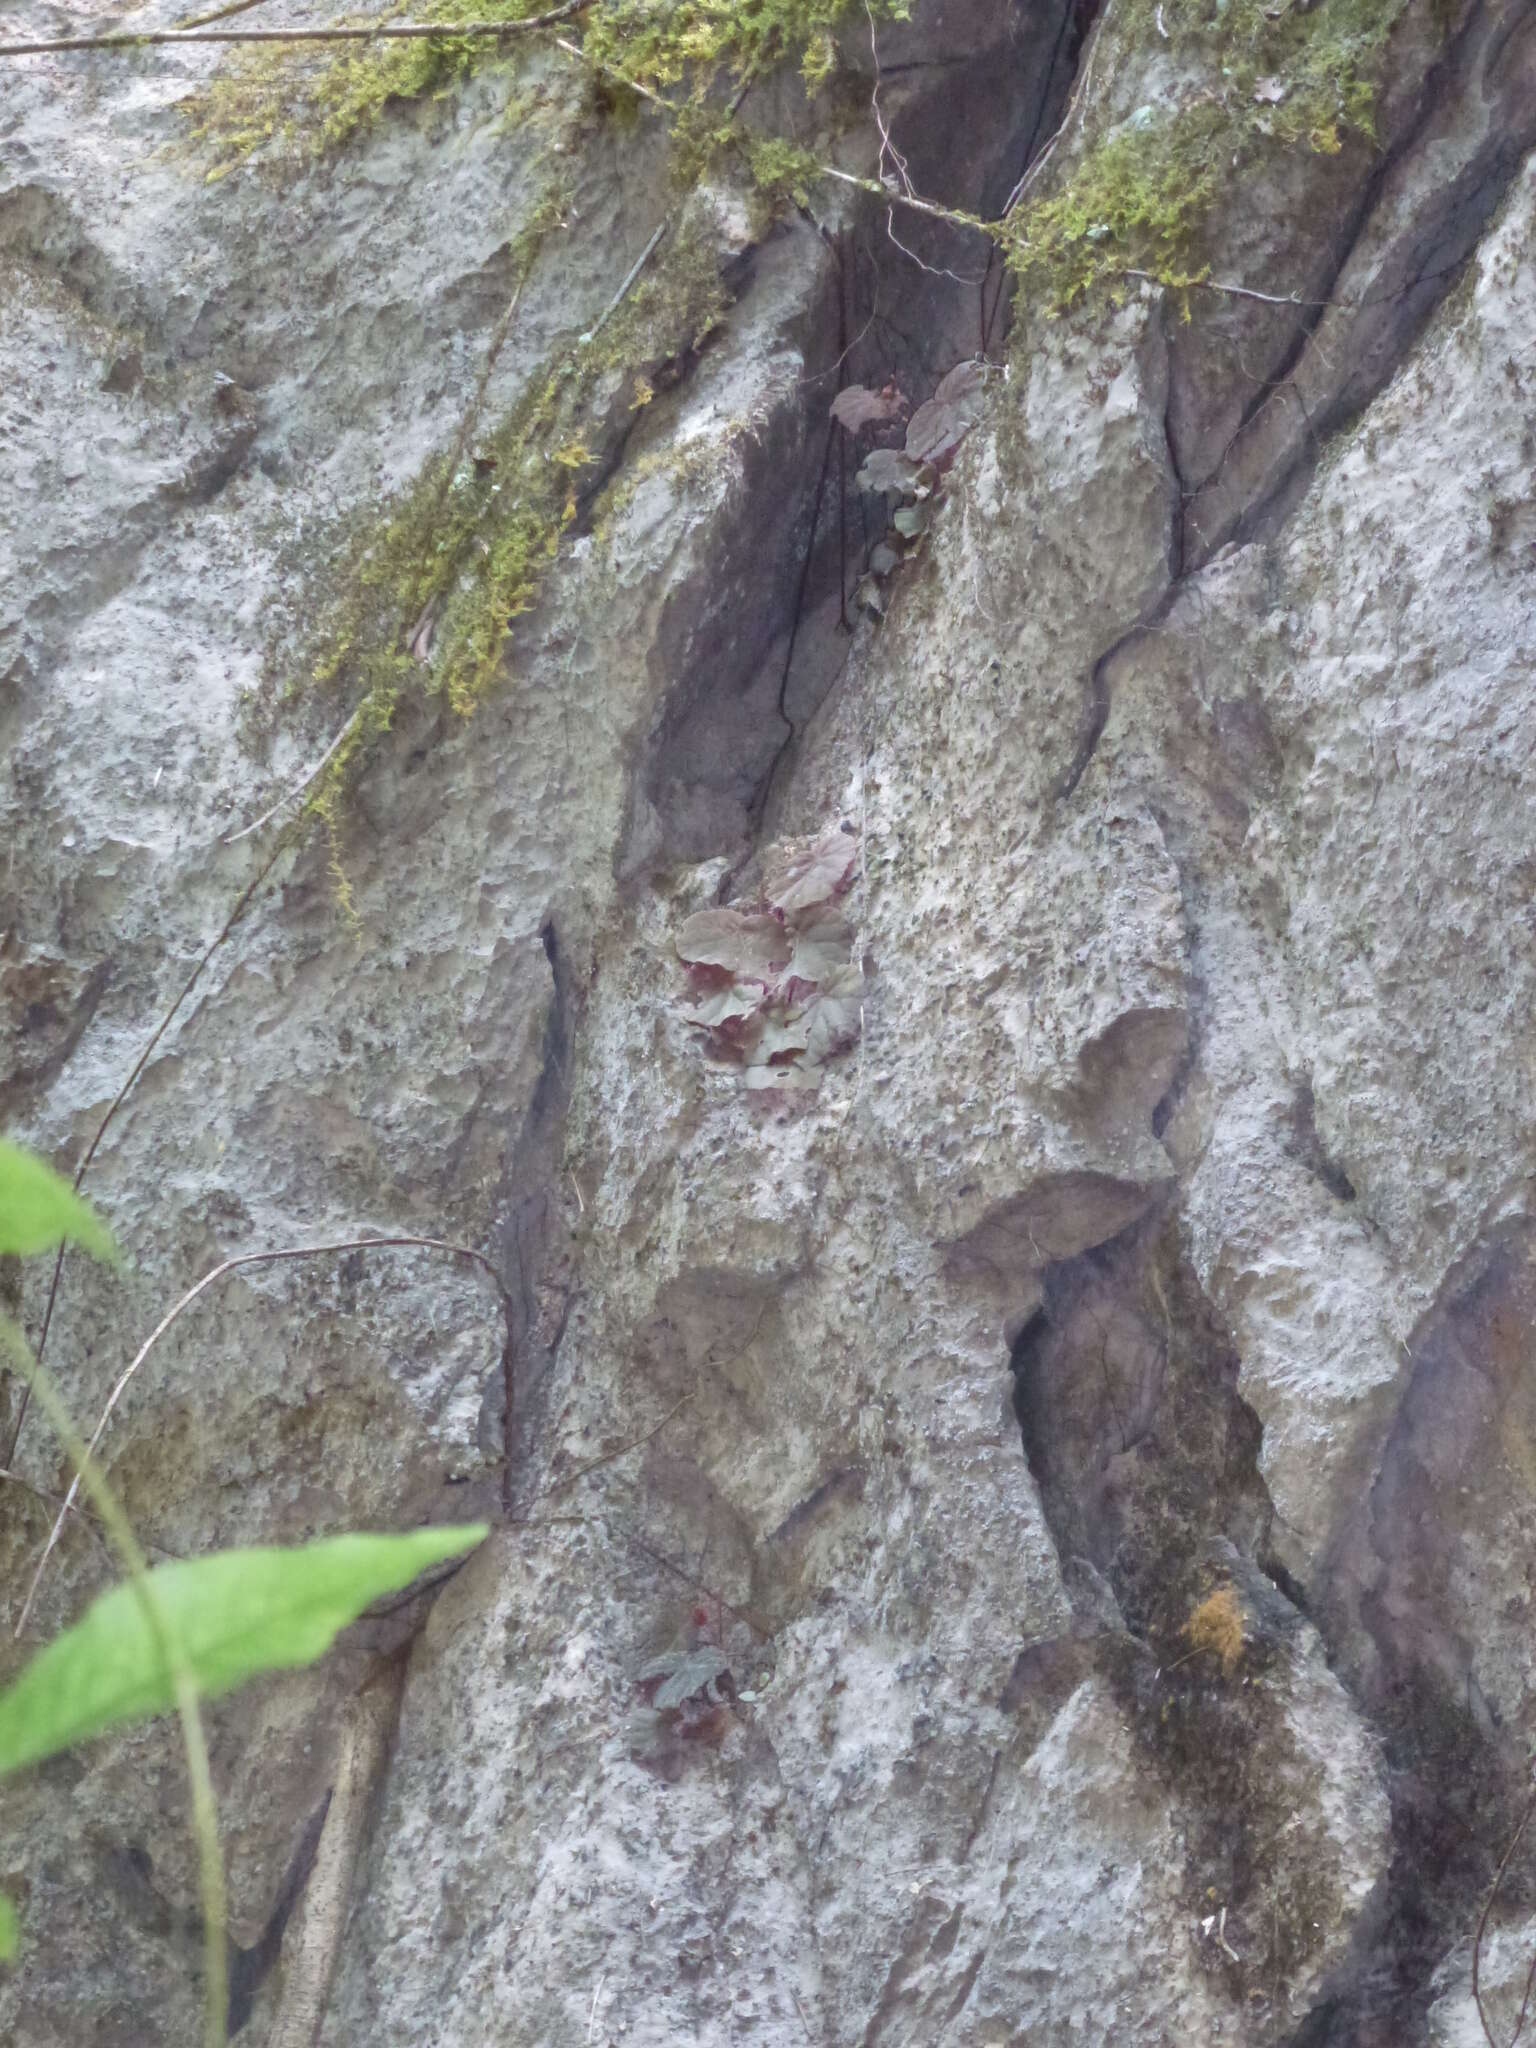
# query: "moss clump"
{"type": "Point", "coordinates": [305, 101]}
{"type": "Point", "coordinates": [1135, 202]}
{"type": "Point", "coordinates": [431, 592]}
{"type": "Point", "coordinates": [660, 44]}
{"type": "Point", "coordinates": [1265, 77]}
{"type": "Point", "coordinates": [782, 173]}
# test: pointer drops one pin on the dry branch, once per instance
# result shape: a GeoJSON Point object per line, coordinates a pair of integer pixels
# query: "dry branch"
{"type": "Point", "coordinates": [399, 32]}
{"type": "Point", "coordinates": [403, 1241]}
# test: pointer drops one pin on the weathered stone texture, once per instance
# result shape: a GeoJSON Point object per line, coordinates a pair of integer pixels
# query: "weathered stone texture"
{"type": "Point", "coordinates": [1166, 1234]}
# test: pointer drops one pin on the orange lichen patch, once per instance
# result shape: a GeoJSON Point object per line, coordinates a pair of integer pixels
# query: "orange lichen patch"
{"type": "Point", "coordinates": [1217, 1625]}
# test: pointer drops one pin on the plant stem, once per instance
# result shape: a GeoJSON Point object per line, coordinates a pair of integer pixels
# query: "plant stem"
{"type": "Point", "coordinates": [401, 32]}
{"type": "Point", "coordinates": [205, 1820]}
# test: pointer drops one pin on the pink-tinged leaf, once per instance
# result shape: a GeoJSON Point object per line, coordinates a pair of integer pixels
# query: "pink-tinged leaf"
{"type": "Point", "coordinates": [833, 1020]}
{"type": "Point", "coordinates": [856, 406]}
{"type": "Point", "coordinates": [755, 947]}
{"type": "Point", "coordinates": [821, 950]}
{"type": "Point", "coordinates": [726, 1006]}
{"type": "Point", "coordinates": [799, 873]}
{"type": "Point", "coordinates": [780, 1039]}
{"type": "Point", "coordinates": [677, 1675]}
{"type": "Point", "coordinates": [961, 384]}
{"type": "Point", "coordinates": [888, 469]}
{"type": "Point", "coordinates": [937, 429]}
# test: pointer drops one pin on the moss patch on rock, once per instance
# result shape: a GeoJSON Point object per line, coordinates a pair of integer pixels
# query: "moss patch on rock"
{"type": "Point", "coordinates": [430, 592]}
{"type": "Point", "coordinates": [1257, 77]}
{"type": "Point", "coordinates": [301, 102]}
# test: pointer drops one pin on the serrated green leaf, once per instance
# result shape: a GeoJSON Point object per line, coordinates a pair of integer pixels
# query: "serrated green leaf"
{"type": "Point", "coordinates": [39, 1210]}
{"type": "Point", "coordinates": [10, 1931]}
{"type": "Point", "coordinates": [235, 1613]}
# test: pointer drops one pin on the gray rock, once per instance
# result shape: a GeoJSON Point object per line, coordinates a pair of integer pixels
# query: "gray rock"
{"type": "Point", "coordinates": [1085, 1442]}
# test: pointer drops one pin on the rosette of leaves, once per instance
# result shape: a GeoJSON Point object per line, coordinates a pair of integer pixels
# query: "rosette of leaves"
{"type": "Point", "coordinates": [687, 1697]}
{"type": "Point", "coordinates": [912, 474]}
{"type": "Point", "coordinates": [773, 986]}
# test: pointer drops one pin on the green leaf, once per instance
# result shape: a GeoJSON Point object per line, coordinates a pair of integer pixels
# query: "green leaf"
{"type": "Point", "coordinates": [10, 1931]}
{"type": "Point", "coordinates": [235, 1613]}
{"type": "Point", "coordinates": [38, 1210]}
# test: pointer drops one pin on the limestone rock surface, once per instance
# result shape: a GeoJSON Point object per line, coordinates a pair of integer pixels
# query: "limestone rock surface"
{"type": "Point", "coordinates": [1083, 1447]}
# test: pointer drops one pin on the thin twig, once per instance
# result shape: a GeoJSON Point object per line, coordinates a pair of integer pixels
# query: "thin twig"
{"type": "Point", "coordinates": [759, 1624]}
{"type": "Point", "coordinates": [612, 71]}
{"type": "Point", "coordinates": [893, 170]}
{"type": "Point", "coordinates": [842, 452]}
{"type": "Point", "coordinates": [401, 1241]}
{"type": "Point", "coordinates": [242, 904]}
{"type": "Point", "coordinates": [309, 774]}
{"type": "Point", "coordinates": [54, 1499]}
{"type": "Point", "coordinates": [1477, 1942]}
{"type": "Point", "coordinates": [1075, 107]}
{"type": "Point", "coordinates": [1237, 291]}
{"type": "Point", "coordinates": [622, 293]}
{"type": "Point", "coordinates": [951, 215]}
{"type": "Point", "coordinates": [608, 1458]}
{"type": "Point", "coordinates": [597, 1994]}
{"type": "Point", "coordinates": [889, 153]}
{"type": "Point", "coordinates": [221, 13]}
{"type": "Point", "coordinates": [405, 31]}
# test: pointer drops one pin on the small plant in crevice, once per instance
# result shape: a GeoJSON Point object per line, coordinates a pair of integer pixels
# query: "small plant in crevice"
{"type": "Point", "coordinates": [1217, 1625]}
{"type": "Point", "coordinates": [687, 1701]}
{"type": "Point", "coordinates": [773, 987]}
{"type": "Point", "coordinates": [1261, 79]}
{"type": "Point", "coordinates": [912, 474]}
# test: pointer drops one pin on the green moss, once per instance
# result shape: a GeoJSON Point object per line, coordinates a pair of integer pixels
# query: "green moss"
{"type": "Point", "coordinates": [305, 100]}
{"type": "Point", "coordinates": [302, 102]}
{"type": "Point", "coordinates": [1262, 78]}
{"type": "Point", "coordinates": [430, 594]}
{"type": "Point", "coordinates": [1135, 202]}
{"type": "Point", "coordinates": [781, 172]}
{"type": "Point", "coordinates": [660, 44]}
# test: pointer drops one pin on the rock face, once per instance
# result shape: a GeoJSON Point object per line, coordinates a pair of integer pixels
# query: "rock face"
{"type": "Point", "coordinates": [1030, 1540]}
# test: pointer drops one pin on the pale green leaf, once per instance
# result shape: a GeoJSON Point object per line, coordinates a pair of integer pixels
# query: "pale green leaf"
{"type": "Point", "coordinates": [745, 943]}
{"type": "Point", "coordinates": [724, 1006]}
{"type": "Point", "coordinates": [235, 1613]}
{"type": "Point", "coordinates": [821, 949]}
{"type": "Point", "coordinates": [833, 1018]}
{"type": "Point", "coordinates": [802, 874]}
{"type": "Point", "coordinates": [39, 1210]}
{"type": "Point", "coordinates": [10, 1931]}
{"type": "Point", "coordinates": [886, 469]}
{"type": "Point", "coordinates": [683, 1673]}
